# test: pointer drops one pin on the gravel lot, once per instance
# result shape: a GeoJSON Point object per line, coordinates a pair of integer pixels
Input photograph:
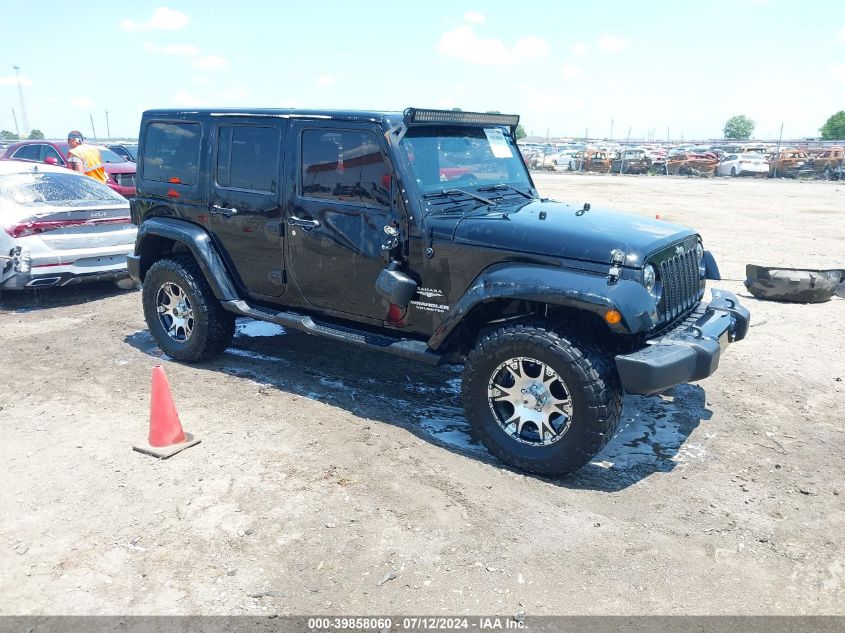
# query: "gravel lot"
{"type": "Point", "coordinates": [333, 480]}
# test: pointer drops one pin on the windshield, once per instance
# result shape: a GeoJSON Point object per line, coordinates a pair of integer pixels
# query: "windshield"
{"type": "Point", "coordinates": [69, 190]}
{"type": "Point", "coordinates": [454, 156]}
{"type": "Point", "coordinates": [110, 156]}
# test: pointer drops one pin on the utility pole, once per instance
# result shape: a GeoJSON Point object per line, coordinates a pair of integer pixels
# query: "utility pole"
{"type": "Point", "coordinates": [667, 135]}
{"type": "Point", "coordinates": [780, 138]}
{"type": "Point", "coordinates": [24, 120]}
{"type": "Point", "coordinates": [108, 130]}
{"type": "Point", "coordinates": [611, 129]}
{"type": "Point", "coordinates": [93, 129]}
{"type": "Point", "coordinates": [17, 129]}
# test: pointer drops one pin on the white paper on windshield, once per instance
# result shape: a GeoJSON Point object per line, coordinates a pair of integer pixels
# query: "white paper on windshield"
{"type": "Point", "coordinates": [498, 144]}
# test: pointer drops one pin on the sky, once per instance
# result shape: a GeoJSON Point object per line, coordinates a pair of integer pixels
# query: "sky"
{"type": "Point", "coordinates": [568, 68]}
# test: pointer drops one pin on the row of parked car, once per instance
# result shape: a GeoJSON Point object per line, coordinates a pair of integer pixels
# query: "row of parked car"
{"type": "Point", "coordinates": [118, 159]}
{"type": "Point", "coordinates": [59, 227]}
{"type": "Point", "coordinates": [731, 160]}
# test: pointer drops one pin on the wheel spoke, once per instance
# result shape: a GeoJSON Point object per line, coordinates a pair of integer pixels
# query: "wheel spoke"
{"type": "Point", "coordinates": [534, 406]}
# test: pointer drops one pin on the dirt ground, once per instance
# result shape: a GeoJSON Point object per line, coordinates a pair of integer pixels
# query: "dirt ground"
{"type": "Point", "coordinates": [338, 481]}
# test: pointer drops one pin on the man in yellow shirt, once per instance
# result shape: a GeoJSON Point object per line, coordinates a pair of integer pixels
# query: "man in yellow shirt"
{"type": "Point", "coordinates": [85, 158]}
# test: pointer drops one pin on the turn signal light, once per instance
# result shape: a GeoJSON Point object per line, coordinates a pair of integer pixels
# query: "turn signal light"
{"type": "Point", "coordinates": [613, 316]}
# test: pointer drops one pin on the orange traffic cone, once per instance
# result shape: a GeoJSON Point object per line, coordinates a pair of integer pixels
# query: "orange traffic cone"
{"type": "Point", "coordinates": [166, 435]}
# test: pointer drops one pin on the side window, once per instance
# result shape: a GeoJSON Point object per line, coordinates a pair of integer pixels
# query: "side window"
{"type": "Point", "coordinates": [248, 158]}
{"type": "Point", "coordinates": [50, 152]}
{"type": "Point", "coordinates": [344, 165]}
{"type": "Point", "coordinates": [28, 152]}
{"type": "Point", "coordinates": [171, 153]}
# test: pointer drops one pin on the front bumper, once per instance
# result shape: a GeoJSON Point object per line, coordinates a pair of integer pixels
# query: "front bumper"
{"type": "Point", "coordinates": [690, 351]}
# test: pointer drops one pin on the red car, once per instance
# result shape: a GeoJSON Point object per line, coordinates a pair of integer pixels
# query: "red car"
{"type": "Point", "coordinates": [121, 173]}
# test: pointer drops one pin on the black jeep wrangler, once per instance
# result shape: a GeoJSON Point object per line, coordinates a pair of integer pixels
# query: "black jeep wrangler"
{"type": "Point", "coordinates": [420, 233]}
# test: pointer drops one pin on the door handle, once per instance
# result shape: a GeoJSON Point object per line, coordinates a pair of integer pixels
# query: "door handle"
{"type": "Point", "coordinates": [224, 211]}
{"type": "Point", "coordinates": [305, 224]}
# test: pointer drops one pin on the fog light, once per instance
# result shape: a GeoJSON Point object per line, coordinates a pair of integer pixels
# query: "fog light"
{"type": "Point", "coordinates": [613, 316]}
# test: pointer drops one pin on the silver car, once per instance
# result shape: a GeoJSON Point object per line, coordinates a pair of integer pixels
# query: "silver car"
{"type": "Point", "coordinates": [58, 227]}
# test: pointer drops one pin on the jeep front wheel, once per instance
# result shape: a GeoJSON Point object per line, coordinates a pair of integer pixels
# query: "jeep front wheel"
{"type": "Point", "coordinates": [541, 400]}
{"type": "Point", "coordinates": [182, 313]}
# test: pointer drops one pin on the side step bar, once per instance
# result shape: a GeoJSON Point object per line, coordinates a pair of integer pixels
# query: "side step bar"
{"type": "Point", "coordinates": [406, 348]}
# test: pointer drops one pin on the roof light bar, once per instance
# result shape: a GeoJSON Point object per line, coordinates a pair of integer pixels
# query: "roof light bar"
{"type": "Point", "coordinates": [419, 115]}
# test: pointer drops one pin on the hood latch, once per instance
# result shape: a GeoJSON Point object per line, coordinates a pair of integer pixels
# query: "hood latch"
{"type": "Point", "coordinates": [617, 258]}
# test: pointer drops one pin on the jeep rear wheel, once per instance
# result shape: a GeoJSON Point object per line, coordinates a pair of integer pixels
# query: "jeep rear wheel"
{"type": "Point", "coordinates": [541, 400]}
{"type": "Point", "coordinates": [182, 313]}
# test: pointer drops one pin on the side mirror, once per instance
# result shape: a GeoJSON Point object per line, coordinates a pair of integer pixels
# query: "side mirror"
{"type": "Point", "coordinates": [51, 160]}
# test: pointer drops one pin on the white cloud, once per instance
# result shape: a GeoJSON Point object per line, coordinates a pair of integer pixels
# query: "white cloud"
{"type": "Point", "coordinates": [163, 19]}
{"type": "Point", "coordinates": [83, 103]}
{"type": "Point", "coordinates": [202, 81]}
{"type": "Point", "coordinates": [325, 81]}
{"type": "Point", "coordinates": [12, 80]}
{"type": "Point", "coordinates": [838, 72]}
{"type": "Point", "coordinates": [612, 43]}
{"type": "Point", "coordinates": [181, 49]}
{"type": "Point", "coordinates": [475, 17]}
{"type": "Point", "coordinates": [150, 47]}
{"type": "Point", "coordinates": [210, 62]}
{"type": "Point", "coordinates": [580, 49]}
{"type": "Point", "coordinates": [571, 71]}
{"type": "Point", "coordinates": [842, 36]}
{"type": "Point", "coordinates": [463, 43]}
{"type": "Point", "coordinates": [186, 100]}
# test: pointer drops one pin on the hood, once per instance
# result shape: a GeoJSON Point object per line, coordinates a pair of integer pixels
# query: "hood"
{"type": "Point", "coordinates": [556, 229]}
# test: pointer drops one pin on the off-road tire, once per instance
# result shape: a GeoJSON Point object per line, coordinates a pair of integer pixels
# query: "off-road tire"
{"type": "Point", "coordinates": [213, 327]}
{"type": "Point", "coordinates": [733, 172]}
{"type": "Point", "coordinates": [589, 373]}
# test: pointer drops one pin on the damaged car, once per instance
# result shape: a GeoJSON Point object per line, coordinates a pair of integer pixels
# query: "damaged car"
{"type": "Point", "coordinates": [593, 160]}
{"type": "Point", "coordinates": [631, 161]}
{"type": "Point", "coordinates": [59, 227]}
{"type": "Point", "coordinates": [691, 164]}
{"type": "Point", "coordinates": [789, 163]}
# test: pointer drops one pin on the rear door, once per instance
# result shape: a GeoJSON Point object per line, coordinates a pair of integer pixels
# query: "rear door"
{"type": "Point", "coordinates": [244, 210]}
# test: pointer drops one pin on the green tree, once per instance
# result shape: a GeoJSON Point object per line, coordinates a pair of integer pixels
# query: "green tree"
{"type": "Point", "coordinates": [36, 134]}
{"type": "Point", "coordinates": [520, 132]}
{"type": "Point", "coordinates": [6, 135]}
{"type": "Point", "coordinates": [739, 128]}
{"type": "Point", "coordinates": [834, 127]}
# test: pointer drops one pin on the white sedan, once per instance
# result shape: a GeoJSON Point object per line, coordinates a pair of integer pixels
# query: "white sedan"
{"type": "Point", "coordinates": [58, 227]}
{"type": "Point", "coordinates": [742, 165]}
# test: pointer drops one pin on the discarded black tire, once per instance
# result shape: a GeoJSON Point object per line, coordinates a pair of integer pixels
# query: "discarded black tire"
{"type": "Point", "coordinates": [796, 285]}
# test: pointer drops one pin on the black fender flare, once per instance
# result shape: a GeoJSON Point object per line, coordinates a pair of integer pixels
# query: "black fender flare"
{"type": "Point", "coordinates": [579, 289]}
{"type": "Point", "coordinates": [199, 243]}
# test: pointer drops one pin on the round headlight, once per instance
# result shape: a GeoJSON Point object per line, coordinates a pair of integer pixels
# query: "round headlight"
{"type": "Point", "coordinates": [699, 251]}
{"type": "Point", "coordinates": [649, 277]}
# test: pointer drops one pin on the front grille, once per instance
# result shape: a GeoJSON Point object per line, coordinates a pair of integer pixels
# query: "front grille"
{"type": "Point", "coordinates": [125, 180]}
{"type": "Point", "coordinates": [680, 278]}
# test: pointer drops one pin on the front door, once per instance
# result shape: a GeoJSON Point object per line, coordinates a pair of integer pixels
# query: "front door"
{"type": "Point", "coordinates": [337, 214]}
{"type": "Point", "coordinates": [244, 213]}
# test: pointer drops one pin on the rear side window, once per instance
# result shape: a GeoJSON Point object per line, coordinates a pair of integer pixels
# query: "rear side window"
{"type": "Point", "coordinates": [28, 152]}
{"type": "Point", "coordinates": [344, 165]}
{"type": "Point", "coordinates": [171, 153]}
{"type": "Point", "coordinates": [248, 158]}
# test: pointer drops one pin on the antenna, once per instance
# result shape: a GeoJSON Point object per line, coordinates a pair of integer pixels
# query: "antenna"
{"type": "Point", "coordinates": [24, 120]}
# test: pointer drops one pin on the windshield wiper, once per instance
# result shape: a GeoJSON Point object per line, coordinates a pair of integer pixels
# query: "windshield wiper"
{"type": "Point", "coordinates": [442, 193]}
{"type": "Point", "coordinates": [502, 186]}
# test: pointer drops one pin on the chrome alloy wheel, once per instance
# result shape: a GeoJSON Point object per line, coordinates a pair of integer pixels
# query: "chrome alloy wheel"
{"type": "Point", "coordinates": [530, 401]}
{"type": "Point", "coordinates": [175, 312]}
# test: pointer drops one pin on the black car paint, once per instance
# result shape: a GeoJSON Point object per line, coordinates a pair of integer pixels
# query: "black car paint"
{"type": "Point", "coordinates": [462, 255]}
